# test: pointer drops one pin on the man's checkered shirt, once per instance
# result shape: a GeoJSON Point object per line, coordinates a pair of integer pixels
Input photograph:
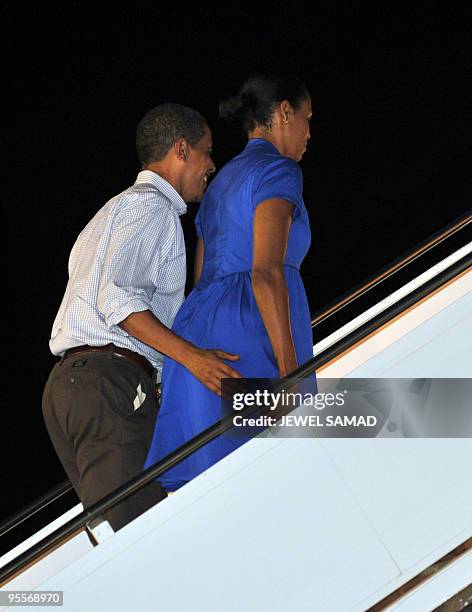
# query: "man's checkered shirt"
{"type": "Point", "coordinates": [129, 258]}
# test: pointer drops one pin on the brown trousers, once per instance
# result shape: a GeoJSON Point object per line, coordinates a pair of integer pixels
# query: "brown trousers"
{"type": "Point", "coordinates": [100, 410]}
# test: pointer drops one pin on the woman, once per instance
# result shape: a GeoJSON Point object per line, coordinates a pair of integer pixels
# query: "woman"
{"type": "Point", "coordinates": [249, 298]}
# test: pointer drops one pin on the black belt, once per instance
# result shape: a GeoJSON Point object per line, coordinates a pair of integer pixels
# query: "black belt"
{"type": "Point", "coordinates": [139, 360]}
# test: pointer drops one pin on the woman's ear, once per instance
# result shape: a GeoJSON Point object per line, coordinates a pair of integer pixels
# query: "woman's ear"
{"type": "Point", "coordinates": [285, 109]}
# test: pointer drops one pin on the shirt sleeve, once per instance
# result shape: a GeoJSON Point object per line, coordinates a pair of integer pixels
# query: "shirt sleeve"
{"type": "Point", "coordinates": [279, 179]}
{"type": "Point", "coordinates": [141, 241]}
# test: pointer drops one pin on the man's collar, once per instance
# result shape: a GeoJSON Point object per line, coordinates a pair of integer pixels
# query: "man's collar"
{"type": "Point", "coordinates": [148, 176]}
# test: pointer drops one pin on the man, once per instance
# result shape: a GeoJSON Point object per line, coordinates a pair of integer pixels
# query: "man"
{"type": "Point", "coordinates": [127, 274]}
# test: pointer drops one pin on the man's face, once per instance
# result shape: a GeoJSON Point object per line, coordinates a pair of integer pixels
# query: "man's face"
{"type": "Point", "coordinates": [198, 167]}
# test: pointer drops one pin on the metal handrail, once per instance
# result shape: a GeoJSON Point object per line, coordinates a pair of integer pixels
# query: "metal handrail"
{"type": "Point", "coordinates": [35, 507]}
{"type": "Point", "coordinates": [426, 246]}
{"type": "Point", "coordinates": [79, 522]}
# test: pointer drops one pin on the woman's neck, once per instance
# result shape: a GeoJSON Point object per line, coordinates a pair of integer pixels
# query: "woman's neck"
{"type": "Point", "coordinates": [269, 135]}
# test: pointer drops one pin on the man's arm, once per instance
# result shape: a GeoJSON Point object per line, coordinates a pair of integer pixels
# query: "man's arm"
{"type": "Point", "coordinates": [138, 246]}
{"type": "Point", "coordinates": [206, 365]}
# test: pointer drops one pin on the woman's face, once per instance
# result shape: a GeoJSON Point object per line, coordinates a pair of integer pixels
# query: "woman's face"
{"type": "Point", "coordinates": [297, 130]}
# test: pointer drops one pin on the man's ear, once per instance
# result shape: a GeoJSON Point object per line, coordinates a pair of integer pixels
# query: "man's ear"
{"type": "Point", "coordinates": [181, 149]}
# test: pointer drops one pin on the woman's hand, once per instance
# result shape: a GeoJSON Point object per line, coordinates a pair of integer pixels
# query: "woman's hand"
{"type": "Point", "coordinates": [288, 367]}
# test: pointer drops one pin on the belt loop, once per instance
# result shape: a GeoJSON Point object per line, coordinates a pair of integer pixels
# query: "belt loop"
{"type": "Point", "coordinates": [112, 351]}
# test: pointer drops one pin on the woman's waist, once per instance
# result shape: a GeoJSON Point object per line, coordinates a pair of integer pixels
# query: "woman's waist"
{"type": "Point", "coordinates": [222, 274]}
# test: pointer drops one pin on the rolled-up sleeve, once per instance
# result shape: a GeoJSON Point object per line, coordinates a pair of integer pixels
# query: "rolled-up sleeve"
{"type": "Point", "coordinates": [137, 247]}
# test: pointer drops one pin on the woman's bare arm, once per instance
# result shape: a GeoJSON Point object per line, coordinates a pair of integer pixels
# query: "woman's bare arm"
{"type": "Point", "coordinates": [199, 257]}
{"type": "Point", "coordinates": [272, 221]}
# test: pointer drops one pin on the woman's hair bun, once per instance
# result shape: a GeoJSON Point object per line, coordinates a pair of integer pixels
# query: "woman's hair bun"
{"type": "Point", "coordinates": [231, 108]}
{"type": "Point", "coordinates": [258, 97]}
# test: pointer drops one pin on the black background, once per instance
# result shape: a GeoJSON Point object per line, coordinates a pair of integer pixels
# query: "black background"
{"type": "Point", "coordinates": [387, 165]}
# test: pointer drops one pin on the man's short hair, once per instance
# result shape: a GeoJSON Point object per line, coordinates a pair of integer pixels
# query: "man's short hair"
{"type": "Point", "coordinates": [159, 129]}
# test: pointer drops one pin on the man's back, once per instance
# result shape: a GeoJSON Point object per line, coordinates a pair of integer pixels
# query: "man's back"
{"type": "Point", "coordinates": [129, 257]}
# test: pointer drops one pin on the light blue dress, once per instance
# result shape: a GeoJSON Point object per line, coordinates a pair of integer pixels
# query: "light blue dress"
{"type": "Point", "coordinates": [221, 311]}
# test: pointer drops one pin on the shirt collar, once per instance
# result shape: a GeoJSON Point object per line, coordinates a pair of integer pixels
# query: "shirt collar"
{"type": "Point", "coordinates": [148, 176]}
{"type": "Point", "coordinates": [262, 142]}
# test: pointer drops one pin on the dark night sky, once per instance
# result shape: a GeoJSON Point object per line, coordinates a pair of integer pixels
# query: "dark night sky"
{"type": "Point", "coordinates": [388, 162]}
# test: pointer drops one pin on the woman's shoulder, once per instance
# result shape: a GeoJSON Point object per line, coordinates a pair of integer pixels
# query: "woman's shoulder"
{"type": "Point", "coordinates": [277, 177]}
{"type": "Point", "coordinates": [277, 164]}
{"type": "Point", "coordinates": [277, 169]}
